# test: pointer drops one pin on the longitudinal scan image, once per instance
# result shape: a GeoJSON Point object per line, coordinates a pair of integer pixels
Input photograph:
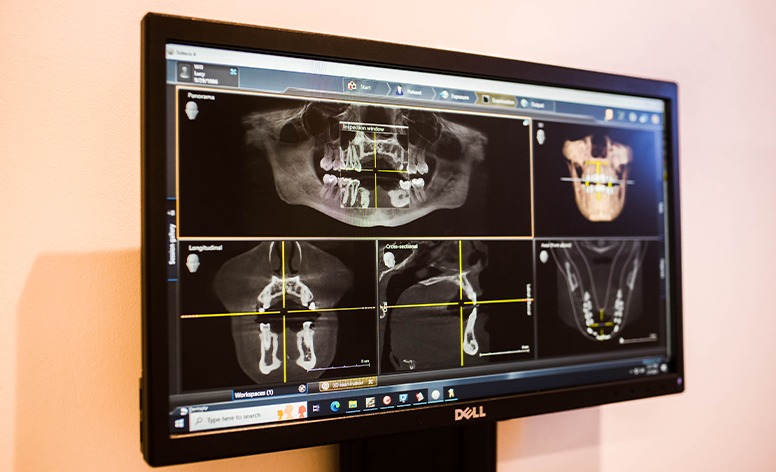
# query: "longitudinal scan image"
{"type": "Point", "coordinates": [255, 165]}
{"type": "Point", "coordinates": [277, 311]}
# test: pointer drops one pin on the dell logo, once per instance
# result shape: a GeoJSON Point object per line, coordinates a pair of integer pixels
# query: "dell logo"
{"type": "Point", "coordinates": [469, 413]}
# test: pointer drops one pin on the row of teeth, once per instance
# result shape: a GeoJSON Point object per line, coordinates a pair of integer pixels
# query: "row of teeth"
{"type": "Point", "coordinates": [350, 159]}
{"type": "Point", "coordinates": [599, 179]}
{"type": "Point", "coordinates": [587, 306]}
{"type": "Point", "coordinates": [352, 195]}
{"type": "Point", "coordinates": [273, 291]}
{"type": "Point", "coordinates": [601, 188]}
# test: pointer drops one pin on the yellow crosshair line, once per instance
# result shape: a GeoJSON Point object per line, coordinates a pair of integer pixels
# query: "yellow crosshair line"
{"type": "Point", "coordinates": [283, 261]}
{"type": "Point", "coordinates": [460, 293]}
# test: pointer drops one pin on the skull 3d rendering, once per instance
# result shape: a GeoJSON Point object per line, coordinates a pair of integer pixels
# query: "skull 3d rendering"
{"type": "Point", "coordinates": [599, 173]}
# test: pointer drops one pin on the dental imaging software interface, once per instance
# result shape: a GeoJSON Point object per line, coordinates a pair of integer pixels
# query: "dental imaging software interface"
{"type": "Point", "coordinates": [348, 239]}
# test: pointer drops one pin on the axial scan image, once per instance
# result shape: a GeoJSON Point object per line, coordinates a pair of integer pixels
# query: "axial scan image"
{"type": "Point", "coordinates": [445, 304]}
{"type": "Point", "coordinates": [293, 310]}
{"type": "Point", "coordinates": [597, 296]}
{"type": "Point", "coordinates": [256, 165]}
{"type": "Point", "coordinates": [596, 181]}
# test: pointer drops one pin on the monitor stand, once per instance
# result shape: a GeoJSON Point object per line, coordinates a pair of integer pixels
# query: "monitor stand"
{"type": "Point", "coordinates": [469, 448]}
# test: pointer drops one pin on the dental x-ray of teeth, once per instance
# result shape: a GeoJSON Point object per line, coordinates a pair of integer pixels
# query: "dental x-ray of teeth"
{"type": "Point", "coordinates": [604, 293]}
{"type": "Point", "coordinates": [257, 165]}
{"type": "Point", "coordinates": [295, 297]}
{"type": "Point", "coordinates": [596, 181]}
{"type": "Point", "coordinates": [445, 304]}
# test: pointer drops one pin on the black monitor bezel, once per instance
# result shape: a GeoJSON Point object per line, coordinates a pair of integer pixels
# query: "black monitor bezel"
{"type": "Point", "coordinates": [157, 30]}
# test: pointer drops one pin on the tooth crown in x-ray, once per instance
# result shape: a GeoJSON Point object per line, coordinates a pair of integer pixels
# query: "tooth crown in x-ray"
{"type": "Point", "coordinates": [273, 279]}
{"type": "Point", "coordinates": [366, 165]}
{"type": "Point", "coordinates": [603, 283]}
{"type": "Point", "coordinates": [599, 175]}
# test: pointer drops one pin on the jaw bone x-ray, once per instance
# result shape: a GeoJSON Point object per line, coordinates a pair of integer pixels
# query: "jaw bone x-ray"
{"type": "Point", "coordinates": [603, 282]}
{"type": "Point", "coordinates": [284, 283]}
{"type": "Point", "coordinates": [366, 165]}
{"type": "Point", "coordinates": [428, 292]}
{"type": "Point", "coordinates": [599, 173]}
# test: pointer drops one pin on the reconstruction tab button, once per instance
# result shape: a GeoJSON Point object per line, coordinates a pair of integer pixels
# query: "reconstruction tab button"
{"type": "Point", "coordinates": [498, 100]}
{"type": "Point", "coordinates": [347, 384]}
{"type": "Point", "coordinates": [503, 100]}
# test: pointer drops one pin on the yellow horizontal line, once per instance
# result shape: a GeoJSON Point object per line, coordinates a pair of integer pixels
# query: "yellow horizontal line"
{"type": "Point", "coordinates": [488, 302]}
{"type": "Point", "coordinates": [254, 313]}
{"type": "Point", "coordinates": [418, 305]}
{"type": "Point", "coordinates": [218, 315]}
{"type": "Point", "coordinates": [394, 170]}
{"type": "Point", "coordinates": [319, 310]}
{"type": "Point", "coordinates": [355, 308]}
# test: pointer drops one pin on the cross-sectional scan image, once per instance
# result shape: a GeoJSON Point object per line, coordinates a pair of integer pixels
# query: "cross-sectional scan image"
{"type": "Point", "coordinates": [258, 165]}
{"type": "Point", "coordinates": [284, 310]}
{"type": "Point", "coordinates": [596, 181]}
{"type": "Point", "coordinates": [445, 304]}
{"type": "Point", "coordinates": [598, 296]}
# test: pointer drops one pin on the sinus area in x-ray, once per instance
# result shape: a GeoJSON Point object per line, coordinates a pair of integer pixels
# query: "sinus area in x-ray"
{"type": "Point", "coordinates": [367, 165]}
{"type": "Point", "coordinates": [445, 304]}
{"type": "Point", "coordinates": [290, 290]}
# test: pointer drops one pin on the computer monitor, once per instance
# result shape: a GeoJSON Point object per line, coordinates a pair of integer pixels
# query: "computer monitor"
{"type": "Point", "coordinates": [344, 239]}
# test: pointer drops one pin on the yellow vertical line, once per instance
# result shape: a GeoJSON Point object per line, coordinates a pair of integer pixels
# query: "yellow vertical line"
{"type": "Point", "coordinates": [375, 189]}
{"type": "Point", "coordinates": [460, 272]}
{"type": "Point", "coordinates": [375, 148]}
{"type": "Point", "coordinates": [461, 310]}
{"type": "Point", "coordinates": [602, 314]}
{"type": "Point", "coordinates": [460, 292]}
{"type": "Point", "coordinates": [284, 348]}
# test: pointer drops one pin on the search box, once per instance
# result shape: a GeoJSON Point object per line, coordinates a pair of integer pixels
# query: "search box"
{"type": "Point", "coordinates": [235, 417]}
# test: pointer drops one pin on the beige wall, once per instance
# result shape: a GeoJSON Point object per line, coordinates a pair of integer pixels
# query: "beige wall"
{"type": "Point", "coordinates": [70, 213]}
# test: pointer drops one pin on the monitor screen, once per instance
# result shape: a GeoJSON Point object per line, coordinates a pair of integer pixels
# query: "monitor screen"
{"type": "Point", "coordinates": [344, 237]}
